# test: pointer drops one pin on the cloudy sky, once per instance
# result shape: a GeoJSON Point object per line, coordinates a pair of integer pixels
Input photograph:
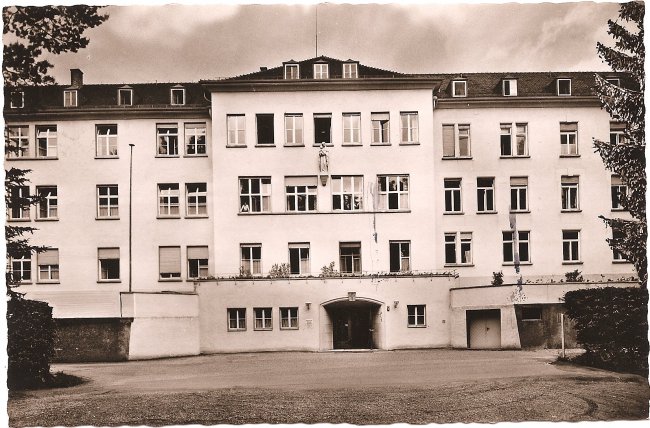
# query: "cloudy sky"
{"type": "Point", "coordinates": [189, 43]}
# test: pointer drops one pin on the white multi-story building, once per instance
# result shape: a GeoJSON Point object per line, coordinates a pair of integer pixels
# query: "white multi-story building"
{"type": "Point", "coordinates": [317, 205]}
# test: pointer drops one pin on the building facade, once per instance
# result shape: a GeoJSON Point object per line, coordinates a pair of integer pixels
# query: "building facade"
{"type": "Point", "coordinates": [317, 205]}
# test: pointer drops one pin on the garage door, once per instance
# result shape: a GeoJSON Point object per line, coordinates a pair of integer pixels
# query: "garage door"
{"type": "Point", "coordinates": [484, 329]}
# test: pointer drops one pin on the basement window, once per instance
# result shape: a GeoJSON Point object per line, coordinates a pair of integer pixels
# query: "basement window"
{"type": "Point", "coordinates": [533, 313]}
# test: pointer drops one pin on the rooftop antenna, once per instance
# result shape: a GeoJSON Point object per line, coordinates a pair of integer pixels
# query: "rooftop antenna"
{"type": "Point", "coordinates": [317, 29]}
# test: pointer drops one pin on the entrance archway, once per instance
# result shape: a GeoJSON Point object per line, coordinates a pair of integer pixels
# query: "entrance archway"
{"type": "Point", "coordinates": [354, 324]}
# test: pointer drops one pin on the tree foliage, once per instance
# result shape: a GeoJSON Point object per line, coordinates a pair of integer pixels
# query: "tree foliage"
{"type": "Point", "coordinates": [54, 29]}
{"type": "Point", "coordinates": [627, 158]}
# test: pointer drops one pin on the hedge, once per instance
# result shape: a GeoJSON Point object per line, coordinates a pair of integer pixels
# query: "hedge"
{"type": "Point", "coordinates": [30, 342]}
{"type": "Point", "coordinates": [612, 326]}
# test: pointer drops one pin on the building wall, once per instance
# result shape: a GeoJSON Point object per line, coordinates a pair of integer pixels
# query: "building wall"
{"type": "Point", "coordinates": [94, 339]}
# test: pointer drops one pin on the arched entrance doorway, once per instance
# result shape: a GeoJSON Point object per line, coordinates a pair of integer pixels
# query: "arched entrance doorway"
{"type": "Point", "coordinates": [355, 324]}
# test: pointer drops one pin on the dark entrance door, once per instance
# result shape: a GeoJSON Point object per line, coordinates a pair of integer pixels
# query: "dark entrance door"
{"type": "Point", "coordinates": [352, 327]}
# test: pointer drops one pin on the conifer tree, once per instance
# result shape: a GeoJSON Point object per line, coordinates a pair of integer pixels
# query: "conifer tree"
{"type": "Point", "coordinates": [626, 157]}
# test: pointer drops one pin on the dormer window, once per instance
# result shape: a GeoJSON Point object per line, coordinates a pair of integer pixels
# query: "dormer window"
{"type": "Point", "coordinates": [291, 71]}
{"type": "Point", "coordinates": [17, 99]}
{"type": "Point", "coordinates": [321, 71]}
{"type": "Point", "coordinates": [509, 87]}
{"type": "Point", "coordinates": [459, 88]}
{"type": "Point", "coordinates": [614, 81]}
{"type": "Point", "coordinates": [70, 98]}
{"type": "Point", "coordinates": [125, 97]}
{"type": "Point", "coordinates": [350, 70]}
{"type": "Point", "coordinates": [564, 87]}
{"type": "Point", "coordinates": [178, 96]}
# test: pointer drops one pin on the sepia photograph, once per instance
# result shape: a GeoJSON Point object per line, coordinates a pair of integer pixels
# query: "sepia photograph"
{"type": "Point", "coordinates": [228, 213]}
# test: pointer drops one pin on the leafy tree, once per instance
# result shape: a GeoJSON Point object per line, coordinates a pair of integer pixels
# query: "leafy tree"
{"type": "Point", "coordinates": [627, 158]}
{"type": "Point", "coordinates": [55, 29]}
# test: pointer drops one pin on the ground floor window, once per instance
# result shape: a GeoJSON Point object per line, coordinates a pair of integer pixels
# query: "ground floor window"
{"type": "Point", "coordinates": [236, 319]}
{"type": "Point", "coordinates": [48, 265]}
{"type": "Point", "coordinates": [21, 269]}
{"type": "Point", "coordinates": [416, 315]}
{"type": "Point", "coordinates": [531, 313]}
{"type": "Point", "coordinates": [263, 320]}
{"type": "Point", "coordinates": [288, 318]}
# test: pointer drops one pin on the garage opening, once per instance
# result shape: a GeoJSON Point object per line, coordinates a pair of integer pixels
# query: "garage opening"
{"type": "Point", "coordinates": [484, 329]}
{"type": "Point", "coordinates": [353, 324]}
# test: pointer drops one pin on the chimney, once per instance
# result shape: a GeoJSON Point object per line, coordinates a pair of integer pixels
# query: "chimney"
{"type": "Point", "coordinates": [263, 68]}
{"type": "Point", "coordinates": [76, 77]}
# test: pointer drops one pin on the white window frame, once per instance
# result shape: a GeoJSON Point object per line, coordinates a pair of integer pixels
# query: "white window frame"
{"type": "Point", "coordinates": [295, 193]}
{"type": "Point", "coordinates": [101, 271]}
{"type": "Point", "coordinates": [456, 86]}
{"type": "Point", "coordinates": [171, 275]}
{"type": "Point", "coordinates": [289, 318]}
{"type": "Point", "coordinates": [416, 316]}
{"type": "Point", "coordinates": [167, 140]}
{"type": "Point", "coordinates": [46, 140]}
{"type": "Point", "coordinates": [12, 98]}
{"type": "Point", "coordinates": [106, 201]}
{"type": "Point", "coordinates": [106, 143]}
{"type": "Point", "coordinates": [617, 133]}
{"type": "Point", "coordinates": [70, 98]}
{"type": "Point", "coordinates": [48, 203]}
{"type": "Point", "coordinates": [354, 196]}
{"type": "Point", "coordinates": [354, 259]}
{"type": "Point", "coordinates": [321, 71]}
{"type": "Point", "coordinates": [509, 243]}
{"type": "Point", "coordinates": [303, 251]}
{"type": "Point", "coordinates": [171, 96]}
{"type": "Point", "coordinates": [201, 266]}
{"type": "Point", "coordinates": [19, 267]}
{"type": "Point", "coordinates": [482, 194]}
{"type": "Point", "coordinates": [509, 87]}
{"type": "Point", "coordinates": [236, 130]}
{"type": "Point", "coordinates": [196, 199]}
{"type": "Point", "coordinates": [570, 192]}
{"type": "Point", "coordinates": [518, 189]}
{"type": "Point", "coordinates": [380, 128]}
{"type": "Point", "coordinates": [450, 192]}
{"type": "Point", "coordinates": [573, 247]}
{"type": "Point", "coordinates": [461, 132]}
{"type": "Point", "coordinates": [568, 148]}
{"type": "Point", "coordinates": [618, 257]}
{"type": "Point", "coordinates": [265, 317]}
{"type": "Point", "coordinates": [521, 131]}
{"type": "Point", "coordinates": [459, 241]}
{"type": "Point", "coordinates": [350, 70]}
{"type": "Point", "coordinates": [48, 273]}
{"type": "Point", "coordinates": [618, 187]}
{"type": "Point", "coordinates": [23, 210]}
{"type": "Point", "coordinates": [404, 256]}
{"type": "Point", "coordinates": [123, 101]}
{"type": "Point", "coordinates": [196, 139]}
{"type": "Point", "coordinates": [351, 128]}
{"type": "Point", "coordinates": [249, 264]}
{"type": "Point", "coordinates": [238, 315]}
{"type": "Point", "coordinates": [294, 135]}
{"type": "Point", "coordinates": [169, 200]}
{"type": "Point", "coordinates": [558, 85]}
{"type": "Point", "coordinates": [409, 127]}
{"type": "Point", "coordinates": [289, 75]}
{"type": "Point", "coordinates": [386, 193]}
{"type": "Point", "coordinates": [20, 141]}
{"type": "Point", "coordinates": [246, 199]}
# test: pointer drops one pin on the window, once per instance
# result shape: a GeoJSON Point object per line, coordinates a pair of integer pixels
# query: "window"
{"type": "Point", "coordinates": [347, 193]}
{"type": "Point", "coordinates": [46, 141]}
{"type": "Point", "coordinates": [197, 198]}
{"type": "Point", "coordinates": [531, 313]}
{"type": "Point", "coordinates": [618, 189]}
{"type": "Point", "coordinates": [301, 193]}
{"type": "Point", "coordinates": [255, 195]}
{"type": "Point", "coordinates": [125, 97]}
{"type": "Point", "coordinates": [197, 262]}
{"type": "Point", "coordinates": [380, 128]}
{"type": "Point", "coordinates": [48, 265]}
{"type": "Point", "coordinates": [455, 141]}
{"type": "Point", "coordinates": [393, 192]}
{"type": "Point", "coordinates": [618, 237]}
{"type": "Point", "coordinates": [485, 194]}
{"type": "Point", "coordinates": [570, 196]}
{"type": "Point", "coordinates": [263, 319]}
{"type": "Point", "coordinates": [177, 96]}
{"type": "Point", "coordinates": [293, 129]}
{"type": "Point", "coordinates": [107, 201]}
{"type": "Point", "coordinates": [409, 127]}
{"type": "Point", "coordinates": [291, 71]}
{"type": "Point", "coordinates": [106, 140]}
{"type": "Point", "coordinates": [452, 255]}
{"type": "Point", "coordinates": [522, 244]}
{"type": "Point", "coordinates": [236, 319]}
{"type": "Point", "coordinates": [350, 70]}
{"type": "Point", "coordinates": [400, 256]}
{"type": "Point", "coordinates": [614, 81]}
{"type": "Point", "coordinates": [69, 98]}
{"type": "Point", "coordinates": [19, 203]}
{"type": "Point", "coordinates": [251, 259]}
{"type": "Point", "coordinates": [564, 87]}
{"type": "Point", "coordinates": [265, 132]}
{"type": "Point", "coordinates": [350, 257]}
{"type": "Point", "coordinates": [517, 146]}
{"type": "Point", "coordinates": [236, 129]}
{"type": "Point", "coordinates": [48, 203]}
{"type": "Point", "coordinates": [617, 133]}
{"type": "Point", "coordinates": [288, 318]}
{"type": "Point", "coordinates": [21, 269]}
{"type": "Point", "coordinates": [321, 71]}
{"type": "Point", "coordinates": [109, 264]}
{"type": "Point", "coordinates": [167, 139]}
{"type": "Point", "coordinates": [351, 128]}
{"type": "Point", "coordinates": [569, 138]}
{"type": "Point", "coordinates": [518, 194]}
{"type": "Point", "coordinates": [195, 139]}
{"type": "Point", "coordinates": [571, 245]}
{"type": "Point", "coordinates": [17, 99]}
{"type": "Point", "coordinates": [416, 315]}
{"type": "Point", "coordinates": [453, 195]}
{"type": "Point", "coordinates": [509, 87]}
{"type": "Point", "coordinates": [18, 139]}
{"type": "Point", "coordinates": [168, 200]}
{"type": "Point", "coordinates": [299, 259]}
{"type": "Point", "coordinates": [322, 129]}
{"type": "Point", "coordinates": [170, 262]}
{"type": "Point", "coordinates": [459, 88]}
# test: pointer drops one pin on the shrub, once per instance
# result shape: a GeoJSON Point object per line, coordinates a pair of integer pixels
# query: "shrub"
{"type": "Point", "coordinates": [497, 278]}
{"type": "Point", "coordinates": [612, 325]}
{"type": "Point", "coordinates": [30, 342]}
{"type": "Point", "coordinates": [574, 276]}
{"type": "Point", "coordinates": [282, 270]}
{"type": "Point", "coordinates": [328, 271]}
